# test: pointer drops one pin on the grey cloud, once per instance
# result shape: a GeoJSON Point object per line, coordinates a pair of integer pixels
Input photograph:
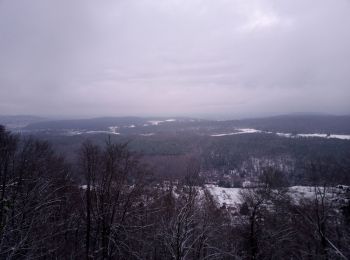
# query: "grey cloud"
{"type": "Point", "coordinates": [176, 57]}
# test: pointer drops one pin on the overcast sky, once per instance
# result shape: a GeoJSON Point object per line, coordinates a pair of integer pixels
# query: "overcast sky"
{"type": "Point", "coordinates": [220, 58]}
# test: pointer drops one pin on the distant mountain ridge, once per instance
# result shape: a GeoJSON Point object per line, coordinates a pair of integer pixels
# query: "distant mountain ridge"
{"type": "Point", "coordinates": [19, 121]}
{"type": "Point", "coordinates": [99, 123]}
{"type": "Point", "coordinates": [284, 123]}
{"type": "Point", "coordinates": [301, 124]}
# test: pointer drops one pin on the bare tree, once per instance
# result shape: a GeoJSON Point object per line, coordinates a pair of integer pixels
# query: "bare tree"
{"type": "Point", "coordinates": [33, 199]}
{"type": "Point", "coordinates": [89, 163]}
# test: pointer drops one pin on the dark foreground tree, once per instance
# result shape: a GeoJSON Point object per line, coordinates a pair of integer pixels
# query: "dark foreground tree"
{"type": "Point", "coordinates": [114, 202]}
{"type": "Point", "coordinates": [34, 199]}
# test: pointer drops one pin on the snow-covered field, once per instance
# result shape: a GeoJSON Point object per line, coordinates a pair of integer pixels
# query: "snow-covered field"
{"type": "Point", "coordinates": [157, 122]}
{"type": "Point", "coordinates": [101, 132]}
{"type": "Point", "coordinates": [284, 134]}
{"type": "Point", "coordinates": [342, 137]}
{"type": "Point", "coordinates": [113, 129]}
{"type": "Point", "coordinates": [147, 134]}
{"type": "Point", "coordinates": [80, 132]}
{"type": "Point", "coordinates": [227, 196]}
{"type": "Point", "coordinates": [239, 131]}
{"type": "Point", "coordinates": [231, 196]}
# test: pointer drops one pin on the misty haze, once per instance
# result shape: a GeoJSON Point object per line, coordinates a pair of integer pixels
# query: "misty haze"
{"type": "Point", "coordinates": [174, 129]}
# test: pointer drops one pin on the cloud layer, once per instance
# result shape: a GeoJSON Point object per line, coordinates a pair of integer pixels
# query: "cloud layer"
{"type": "Point", "coordinates": [228, 58]}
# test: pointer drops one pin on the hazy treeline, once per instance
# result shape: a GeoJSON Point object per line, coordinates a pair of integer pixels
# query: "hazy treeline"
{"type": "Point", "coordinates": [284, 123]}
{"type": "Point", "coordinates": [168, 155]}
{"type": "Point", "coordinates": [120, 212]}
{"type": "Point", "coordinates": [305, 161]}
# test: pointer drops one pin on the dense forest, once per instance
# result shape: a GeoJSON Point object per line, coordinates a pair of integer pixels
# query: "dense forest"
{"type": "Point", "coordinates": [168, 154]}
{"type": "Point", "coordinates": [118, 209]}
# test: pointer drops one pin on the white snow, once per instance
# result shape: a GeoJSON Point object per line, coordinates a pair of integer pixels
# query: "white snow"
{"type": "Point", "coordinates": [284, 134]}
{"type": "Point", "coordinates": [228, 196]}
{"type": "Point", "coordinates": [102, 132]}
{"type": "Point", "coordinates": [157, 122]}
{"type": "Point", "coordinates": [73, 132]}
{"type": "Point", "coordinates": [217, 135]}
{"type": "Point", "coordinates": [312, 135]}
{"type": "Point", "coordinates": [113, 129]}
{"type": "Point", "coordinates": [289, 135]}
{"type": "Point", "coordinates": [299, 192]}
{"type": "Point", "coordinates": [343, 137]}
{"type": "Point", "coordinates": [248, 130]}
{"type": "Point", "coordinates": [154, 122]}
{"type": "Point", "coordinates": [231, 196]}
{"type": "Point", "coordinates": [240, 131]}
{"type": "Point", "coordinates": [147, 134]}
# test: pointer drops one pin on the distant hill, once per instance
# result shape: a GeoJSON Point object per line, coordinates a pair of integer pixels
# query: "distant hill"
{"type": "Point", "coordinates": [101, 123]}
{"type": "Point", "coordinates": [131, 125]}
{"type": "Point", "coordinates": [300, 124]}
{"type": "Point", "coordinates": [19, 121]}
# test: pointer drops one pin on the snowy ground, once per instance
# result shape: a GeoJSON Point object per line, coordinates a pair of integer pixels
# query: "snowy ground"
{"type": "Point", "coordinates": [157, 122]}
{"type": "Point", "coordinates": [227, 196]}
{"type": "Point", "coordinates": [231, 196]}
{"type": "Point", "coordinates": [239, 131]}
{"type": "Point", "coordinates": [147, 134]}
{"type": "Point", "coordinates": [343, 137]}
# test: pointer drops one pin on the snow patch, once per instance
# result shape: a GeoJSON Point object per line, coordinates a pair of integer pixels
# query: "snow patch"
{"type": "Point", "coordinates": [154, 122]}
{"type": "Point", "coordinates": [101, 132]}
{"type": "Point", "coordinates": [113, 129]}
{"type": "Point", "coordinates": [231, 196]}
{"type": "Point", "coordinates": [239, 131]}
{"type": "Point", "coordinates": [312, 135]}
{"type": "Point", "coordinates": [318, 135]}
{"type": "Point", "coordinates": [147, 134]}
{"type": "Point", "coordinates": [284, 134]}
{"type": "Point", "coordinates": [227, 196]}
{"type": "Point", "coordinates": [343, 137]}
{"type": "Point", "coordinates": [73, 133]}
